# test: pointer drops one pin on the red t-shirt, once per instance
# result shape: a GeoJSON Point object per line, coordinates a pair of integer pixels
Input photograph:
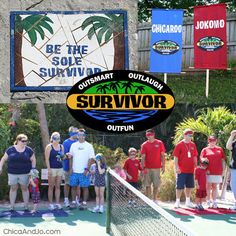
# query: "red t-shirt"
{"type": "Point", "coordinates": [215, 156]}
{"type": "Point", "coordinates": [152, 153]}
{"type": "Point", "coordinates": [132, 167]}
{"type": "Point", "coordinates": [186, 154]}
{"type": "Point", "coordinates": [200, 176]}
{"type": "Point", "coordinates": [35, 189]}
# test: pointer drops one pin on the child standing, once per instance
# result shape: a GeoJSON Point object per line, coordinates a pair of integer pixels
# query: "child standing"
{"type": "Point", "coordinates": [118, 168]}
{"type": "Point", "coordinates": [34, 188]}
{"type": "Point", "coordinates": [99, 182]}
{"type": "Point", "coordinates": [131, 168]}
{"type": "Point", "coordinates": [200, 178]}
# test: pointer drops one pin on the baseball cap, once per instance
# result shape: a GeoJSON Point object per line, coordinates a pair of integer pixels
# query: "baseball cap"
{"type": "Point", "coordinates": [212, 138]}
{"type": "Point", "coordinates": [188, 132]}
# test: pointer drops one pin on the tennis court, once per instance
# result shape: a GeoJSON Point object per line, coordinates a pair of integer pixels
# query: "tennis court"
{"type": "Point", "coordinates": [209, 224]}
{"type": "Point", "coordinates": [144, 218]}
{"type": "Point", "coordinates": [77, 222]}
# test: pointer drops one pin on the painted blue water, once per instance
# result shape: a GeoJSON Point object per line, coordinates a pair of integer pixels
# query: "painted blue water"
{"type": "Point", "coordinates": [122, 116]}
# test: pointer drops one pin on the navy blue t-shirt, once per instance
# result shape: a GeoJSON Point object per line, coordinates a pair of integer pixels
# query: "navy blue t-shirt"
{"type": "Point", "coordinates": [54, 158]}
{"type": "Point", "coordinates": [67, 144]}
{"type": "Point", "coordinates": [19, 162]}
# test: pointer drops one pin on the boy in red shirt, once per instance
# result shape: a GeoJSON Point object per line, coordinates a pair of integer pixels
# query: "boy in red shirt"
{"type": "Point", "coordinates": [131, 168]}
{"type": "Point", "coordinates": [200, 180]}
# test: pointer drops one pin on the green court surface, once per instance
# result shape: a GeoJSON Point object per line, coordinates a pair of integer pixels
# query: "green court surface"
{"type": "Point", "coordinates": [206, 225]}
{"type": "Point", "coordinates": [80, 223]}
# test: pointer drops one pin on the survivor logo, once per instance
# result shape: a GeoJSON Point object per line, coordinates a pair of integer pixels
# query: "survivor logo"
{"type": "Point", "coordinates": [120, 101]}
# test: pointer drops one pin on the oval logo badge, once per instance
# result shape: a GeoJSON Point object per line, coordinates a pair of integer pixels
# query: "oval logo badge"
{"type": "Point", "coordinates": [121, 101]}
{"type": "Point", "coordinates": [210, 43]}
{"type": "Point", "coordinates": [165, 47]}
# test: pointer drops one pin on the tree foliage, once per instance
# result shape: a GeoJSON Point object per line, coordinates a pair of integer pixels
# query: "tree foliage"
{"type": "Point", "coordinates": [145, 6]}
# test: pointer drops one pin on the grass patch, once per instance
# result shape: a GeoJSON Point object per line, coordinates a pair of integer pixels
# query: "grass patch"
{"type": "Point", "coordinates": [191, 88]}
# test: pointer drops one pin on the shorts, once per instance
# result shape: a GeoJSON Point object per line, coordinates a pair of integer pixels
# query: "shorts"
{"type": "Point", "coordinates": [66, 177]}
{"type": "Point", "coordinates": [57, 172]}
{"type": "Point", "coordinates": [22, 179]}
{"type": "Point", "coordinates": [184, 180]}
{"type": "Point", "coordinates": [134, 184]}
{"type": "Point", "coordinates": [152, 177]}
{"type": "Point", "coordinates": [201, 193]}
{"type": "Point", "coordinates": [214, 179]}
{"type": "Point", "coordinates": [79, 179]}
{"type": "Point", "coordinates": [35, 197]}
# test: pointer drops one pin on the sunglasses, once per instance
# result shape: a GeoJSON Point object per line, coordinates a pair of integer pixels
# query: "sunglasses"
{"type": "Point", "coordinates": [24, 141]}
{"type": "Point", "coordinates": [56, 138]}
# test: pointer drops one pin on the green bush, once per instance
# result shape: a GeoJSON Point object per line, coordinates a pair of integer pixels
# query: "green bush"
{"type": "Point", "coordinates": [167, 188]}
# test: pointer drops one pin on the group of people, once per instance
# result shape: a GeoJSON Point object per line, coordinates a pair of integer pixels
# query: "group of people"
{"type": "Point", "coordinates": [206, 176]}
{"type": "Point", "coordinates": [75, 159]}
{"type": "Point", "coordinates": [72, 159]}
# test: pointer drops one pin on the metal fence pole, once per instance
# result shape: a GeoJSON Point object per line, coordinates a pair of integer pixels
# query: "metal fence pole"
{"type": "Point", "coordinates": [108, 198]}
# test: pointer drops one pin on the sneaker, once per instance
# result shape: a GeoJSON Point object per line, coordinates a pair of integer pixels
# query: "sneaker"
{"type": "Point", "coordinates": [197, 207]}
{"type": "Point", "coordinates": [189, 204]}
{"type": "Point", "coordinates": [84, 204]}
{"type": "Point", "coordinates": [214, 205]}
{"type": "Point", "coordinates": [130, 203]}
{"type": "Point", "coordinates": [51, 207]}
{"type": "Point", "coordinates": [26, 209]}
{"type": "Point", "coordinates": [95, 209]}
{"type": "Point", "coordinates": [209, 203]}
{"type": "Point", "coordinates": [233, 208]}
{"type": "Point", "coordinates": [58, 206]}
{"type": "Point", "coordinates": [134, 203]}
{"type": "Point", "coordinates": [177, 205]}
{"type": "Point", "coordinates": [201, 208]}
{"type": "Point", "coordinates": [66, 203]}
{"type": "Point", "coordinates": [101, 209]}
{"type": "Point", "coordinates": [73, 205]}
{"type": "Point", "coordinates": [12, 209]}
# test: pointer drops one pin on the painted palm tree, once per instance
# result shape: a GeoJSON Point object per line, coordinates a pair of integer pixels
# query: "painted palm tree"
{"type": "Point", "coordinates": [111, 26]}
{"type": "Point", "coordinates": [31, 25]}
{"type": "Point", "coordinates": [114, 86]}
{"type": "Point", "coordinates": [139, 89]}
{"type": "Point", "coordinates": [102, 88]}
{"type": "Point", "coordinates": [127, 86]}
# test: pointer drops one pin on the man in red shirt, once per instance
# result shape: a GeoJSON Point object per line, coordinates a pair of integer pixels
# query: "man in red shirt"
{"type": "Point", "coordinates": [185, 158]}
{"type": "Point", "coordinates": [153, 159]}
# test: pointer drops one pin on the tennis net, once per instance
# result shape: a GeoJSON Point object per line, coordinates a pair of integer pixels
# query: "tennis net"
{"type": "Point", "coordinates": [130, 213]}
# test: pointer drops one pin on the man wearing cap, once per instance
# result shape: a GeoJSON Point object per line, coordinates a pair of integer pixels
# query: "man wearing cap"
{"type": "Point", "coordinates": [73, 133]}
{"type": "Point", "coordinates": [82, 154]}
{"type": "Point", "coordinates": [216, 157]}
{"type": "Point", "coordinates": [153, 159]}
{"type": "Point", "coordinates": [185, 158]}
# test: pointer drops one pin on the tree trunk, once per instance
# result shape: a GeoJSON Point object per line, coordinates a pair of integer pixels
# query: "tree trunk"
{"type": "Point", "coordinates": [43, 124]}
{"type": "Point", "coordinates": [18, 67]}
{"type": "Point", "coordinates": [119, 54]}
